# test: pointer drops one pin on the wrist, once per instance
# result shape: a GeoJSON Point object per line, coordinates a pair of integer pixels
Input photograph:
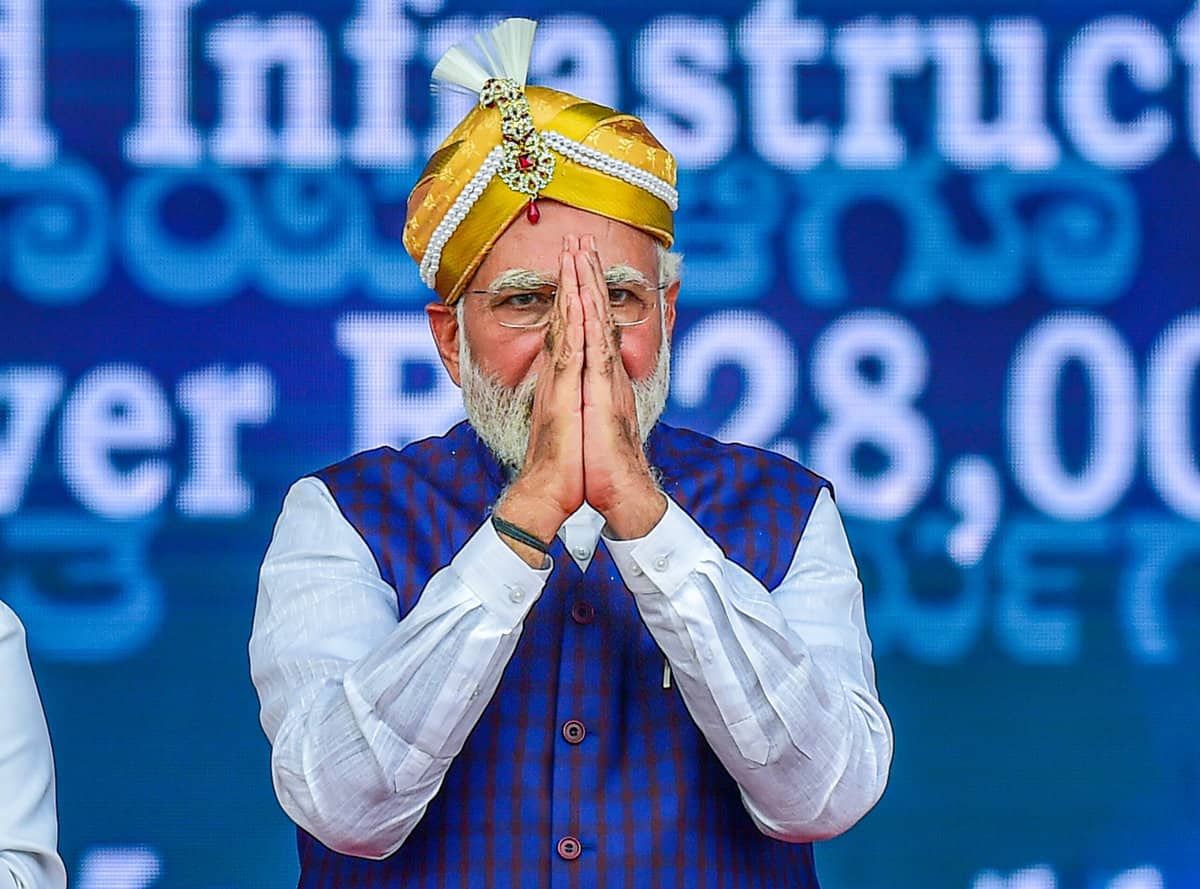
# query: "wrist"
{"type": "Point", "coordinates": [636, 513]}
{"type": "Point", "coordinates": [535, 514]}
{"type": "Point", "coordinates": [532, 550]}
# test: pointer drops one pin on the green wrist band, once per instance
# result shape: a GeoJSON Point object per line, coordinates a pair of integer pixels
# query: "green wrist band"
{"type": "Point", "coordinates": [508, 529]}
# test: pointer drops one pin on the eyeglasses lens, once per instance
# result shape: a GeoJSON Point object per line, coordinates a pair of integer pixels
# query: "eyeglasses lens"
{"type": "Point", "coordinates": [627, 305]}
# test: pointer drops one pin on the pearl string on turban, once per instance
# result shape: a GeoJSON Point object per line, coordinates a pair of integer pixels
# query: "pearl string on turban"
{"type": "Point", "coordinates": [521, 143]}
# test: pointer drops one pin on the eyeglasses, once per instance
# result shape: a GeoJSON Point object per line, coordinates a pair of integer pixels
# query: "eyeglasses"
{"type": "Point", "coordinates": [629, 304]}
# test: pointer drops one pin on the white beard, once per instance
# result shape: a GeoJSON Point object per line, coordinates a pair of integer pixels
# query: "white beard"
{"type": "Point", "coordinates": [502, 417]}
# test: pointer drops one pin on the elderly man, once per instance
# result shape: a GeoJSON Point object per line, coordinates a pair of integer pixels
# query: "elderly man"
{"type": "Point", "coordinates": [563, 644]}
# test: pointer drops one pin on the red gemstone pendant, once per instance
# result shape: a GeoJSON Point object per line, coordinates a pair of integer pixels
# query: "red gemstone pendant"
{"type": "Point", "coordinates": [524, 162]}
{"type": "Point", "coordinates": [532, 213]}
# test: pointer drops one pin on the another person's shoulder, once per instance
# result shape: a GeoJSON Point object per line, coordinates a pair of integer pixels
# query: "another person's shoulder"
{"type": "Point", "coordinates": [14, 651]}
{"type": "Point", "coordinates": [11, 628]}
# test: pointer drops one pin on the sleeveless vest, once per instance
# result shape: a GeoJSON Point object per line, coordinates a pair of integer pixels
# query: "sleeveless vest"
{"type": "Point", "coordinates": [631, 778]}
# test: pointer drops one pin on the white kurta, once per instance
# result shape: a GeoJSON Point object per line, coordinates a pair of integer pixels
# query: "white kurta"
{"type": "Point", "coordinates": [28, 819]}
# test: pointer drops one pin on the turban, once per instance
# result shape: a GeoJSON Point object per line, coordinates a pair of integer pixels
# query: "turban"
{"type": "Point", "coordinates": [521, 143]}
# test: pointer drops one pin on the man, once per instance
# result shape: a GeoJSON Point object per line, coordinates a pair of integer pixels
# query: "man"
{"type": "Point", "coordinates": [29, 856]}
{"type": "Point", "coordinates": [562, 644]}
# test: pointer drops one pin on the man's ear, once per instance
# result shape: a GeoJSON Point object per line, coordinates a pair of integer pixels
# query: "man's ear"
{"type": "Point", "coordinates": [669, 297]}
{"type": "Point", "coordinates": [443, 323]}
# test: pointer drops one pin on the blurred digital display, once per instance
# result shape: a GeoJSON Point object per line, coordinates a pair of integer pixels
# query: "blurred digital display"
{"type": "Point", "coordinates": [946, 255]}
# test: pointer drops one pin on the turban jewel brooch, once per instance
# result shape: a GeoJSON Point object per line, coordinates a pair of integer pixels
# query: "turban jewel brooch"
{"type": "Point", "coordinates": [526, 163]}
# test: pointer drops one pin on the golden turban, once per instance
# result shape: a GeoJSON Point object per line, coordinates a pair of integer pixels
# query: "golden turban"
{"type": "Point", "coordinates": [521, 143]}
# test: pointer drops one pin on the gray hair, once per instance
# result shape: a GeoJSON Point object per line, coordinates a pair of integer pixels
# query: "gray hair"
{"type": "Point", "coordinates": [670, 266]}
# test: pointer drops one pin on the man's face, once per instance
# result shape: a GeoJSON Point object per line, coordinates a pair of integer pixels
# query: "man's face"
{"type": "Point", "coordinates": [506, 354]}
{"type": "Point", "coordinates": [494, 363]}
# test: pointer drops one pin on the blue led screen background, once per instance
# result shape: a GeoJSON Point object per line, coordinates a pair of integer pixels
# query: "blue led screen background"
{"type": "Point", "coordinates": [943, 253]}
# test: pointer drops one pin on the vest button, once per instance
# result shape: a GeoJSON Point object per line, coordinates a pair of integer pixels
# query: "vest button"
{"type": "Point", "coordinates": [573, 731]}
{"type": "Point", "coordinates": [569, 848]}
{"type": "Point", "coordinates": [583, 612]}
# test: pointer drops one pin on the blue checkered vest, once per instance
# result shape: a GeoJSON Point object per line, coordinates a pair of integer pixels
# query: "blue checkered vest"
{"type": "Point", "coordinates": [636, 783]}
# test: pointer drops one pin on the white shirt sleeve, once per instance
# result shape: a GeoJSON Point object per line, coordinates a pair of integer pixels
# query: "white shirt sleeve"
{"type": "Point", "coordinates": [28, 821]}
{"type": "Point", "coordinates": [365, 712]}
{"type": "Point", "coordinates": [781, 682]}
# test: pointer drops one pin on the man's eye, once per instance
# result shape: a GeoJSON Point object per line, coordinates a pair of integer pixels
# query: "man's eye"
{"type": "Point", "coordinates": [523, 300]}
{"type": "Point", "coordinates": [619, 297]}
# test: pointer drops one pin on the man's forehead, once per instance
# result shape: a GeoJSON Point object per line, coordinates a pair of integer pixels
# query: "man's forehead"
{"type": "Point", "coordinates": [622, 271]}
{"type": "Point", "coordinates": [538, 247]}
{"type": "Point", "coordinates": [559, 220]}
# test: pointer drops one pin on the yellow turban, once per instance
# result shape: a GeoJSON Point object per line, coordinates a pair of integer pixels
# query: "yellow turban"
{"type": "Point", "coordinates": [590, 157]}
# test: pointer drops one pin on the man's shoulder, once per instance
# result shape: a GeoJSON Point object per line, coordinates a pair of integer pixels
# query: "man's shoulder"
{"type": "Point", "coordinates": [692, 452]}
{"type": "Point", "coordinates": [454, 467]}
{"type": "Point", "coordinates": [753, 502]}
{"type": "Point", "coordinates": [422, 454]}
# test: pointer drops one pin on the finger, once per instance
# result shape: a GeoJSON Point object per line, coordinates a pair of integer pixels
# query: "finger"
{"type": "Point", "coordinates": [560, 294]}
{"type": "Point", "coordinates": [544, 379]}
{"type": "Point", "coordinates": [591, 276]}
{"type": "Point", "coordinates": [570, 375]}
{"type": "Point", "coordinates": [568, 300]}
{"type": "Point", "coordinates": [555, 328]}
{"type": "Point", "coordinates": [611, 331]}
{"type": "Point", "coordinates": [601, 352]}
{"type": "Point", "coordinates": [598, 359]}
{"type": "Point", "coordinates": [552, 343]}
